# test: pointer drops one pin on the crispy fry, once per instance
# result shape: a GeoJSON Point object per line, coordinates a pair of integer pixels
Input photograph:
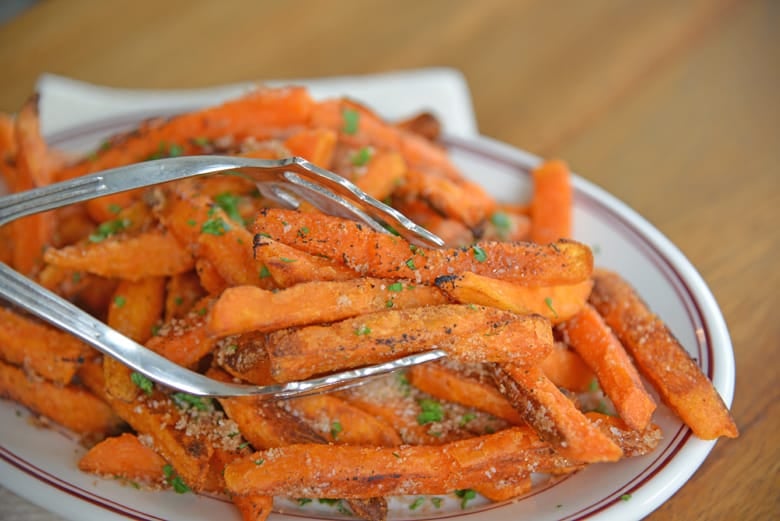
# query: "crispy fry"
{"type": "Point", "coordinates": [69, 405]}
{"type": "Point", "coordinates": [551, 203]}
{"type": "Point", "coordinates": [661, 358]}
{"type": "Point", "coordinates": [243, 309]}
{"type": "Point", "coordinates": [254, 508]}
{"type": "Point", "coordinates": [125, 257]}
{"type": "Point", "coordinates": [554, 416]}
{"type": "Point", "coordinates": [182, 292]}
{"type": "Point", "coordinates": [556, 303]}
{"type": "Point", "coordinates": [126, 457]}
{"type": "Point", "coordinates": [40, 348]}
{"type": "Point", "coordinates": [342, 422]}
{"type": "Point", "coordinates": [423, 124]}
{"type": "Point", "coordinates": [315, 145]}
{"type": "Point", "coordinates": [185, 340]}
{"type": "Point", "coordinates": [380, 255]}
{"type": "Point", "coordinates": [288, 266]}
{"type": "Point", "coordinates": [597, 345]}
{"type": "Point", "coordinates": [383, 173]}
{"type": "Point", "coordinates": [632, 442]}
{"type": "Point", "coordinates": [137, 307]}
{"type": "Point", "coordinates": [261, 114]}
{"type": "Point", "coordinates": [566, 369]}
{"type": "Point", "coordinates": [360, 472]}
{"type": "Point", "coordinates": [443, 381]}
{"type": "Point", "coordinates": [469, 333]}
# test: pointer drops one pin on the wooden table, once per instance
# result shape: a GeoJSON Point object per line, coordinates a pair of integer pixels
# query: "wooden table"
{"type": "Point", "coordinates": [671, 106]}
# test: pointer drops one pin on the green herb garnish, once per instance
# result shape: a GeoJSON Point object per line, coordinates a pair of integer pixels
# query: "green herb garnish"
{"type": "Point", "coordinates": [119, 301]}
{"type": "Point", "coordinates": [229, 203]}
{"type": "Point", "coordinates": [215, 226]}
{"type": "Point", "coordinates": [465, 496]}
{"type": "Point", "coordinates": [142, 382]}
{"type": "Point", "coordinates": [361, 157]}
{"type": "Point", "coordinates": [264, 273]}
{"type": "Point", "coordinates": [479, 253]}
{"type": "Point", "coordinates": [184, 400]}
{"type": "Point", "coordinates": [417, 503]}
{"type": "Point", "coordinates": [363, 330]}
{"type": "Point", "coordinates": [432, 411]}
{"type": "Point", "coordinates": [548, 301]}
{"type": "Point", "coordinates": [351, 121]}
{"type": "Point", "coordinates": [395, 286]}
{"type": "Point", "coordinates": [335, 429]}
{"type": "Point", "coordinates": [109, 228]}
{"type": "Point", "coordinates": [178, 484]}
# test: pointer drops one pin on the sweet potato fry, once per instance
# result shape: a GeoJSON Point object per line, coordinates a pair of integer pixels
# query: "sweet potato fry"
{"type": "Point", "coordinates": [194, 437]}
{"type": "Point", "coordinates": [556, 303]}
{"type": "Point", "coordinates": [315, 145]}
{"type": "Point", "coordinates": [338, 421]}
{"type": "Point", "coordinates": [125, 257]}
{"type": "Point", "coordinates": [587, 333]}
{"type": "Point", "coordinates": [288, 266]}
{"type": "Point", "coordinates": [126, 457]}
{"type": "Point", "coordinates": [566, 369]}
{"type": "Point", "coordinates": [71, 406]}
{"type": "Point", "coordinates": [661, 359]}
{"type": "Point", "coordinates": [443, 381]}
{"type": "Point", "coordinates": [355, 471]}
{"type": "Point", "coordinates": [261, 114]}
{"type": "Point", "coordinates": [458, 199]}
{"type": "Point", "coordinates": [241, 309]}
{"type": "Point", "coordinates": [253, 507]}
{"type": "Point", "coordinates": [424, 124]}
{"type": "Point", "coordinates": [554, 416]}
{"type": "Point", "coordinates": [381, 175]}
{"type": "Point", "coordinates": [137, 306]}
{"type": "Point", "coordinates": [182, 292]}
{"type": "Point", "coordinates": [551, 203]}
{"type": "Point", "coordinates": [40, 348]}
{"type": "Point", "coordinates": [507, 488]}
{"type": "Point", "coordinates": [632, 442]}
{"type": "Point", "coordinates": [185, 340]}
{"type": "Point", "coordinates": [380, 255]}
{"type": "Point", "coordinates": [469, 333]}
{"type": "Point", "coordinates": [209, 277]}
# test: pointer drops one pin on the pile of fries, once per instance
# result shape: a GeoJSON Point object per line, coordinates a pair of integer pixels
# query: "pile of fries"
{"type": "Point", "coordinates": [209, 274]}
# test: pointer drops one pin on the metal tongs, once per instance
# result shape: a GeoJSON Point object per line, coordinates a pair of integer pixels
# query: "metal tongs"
{"type": "Point", "coordinates": [285, 181]}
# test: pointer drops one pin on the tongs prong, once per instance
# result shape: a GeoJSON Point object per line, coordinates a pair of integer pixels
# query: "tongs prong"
{"type": "Point", "coordinates": [286, 181]}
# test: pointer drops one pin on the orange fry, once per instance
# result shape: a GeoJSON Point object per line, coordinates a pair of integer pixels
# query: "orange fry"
{"type": "Point", "coordinates": [661, 358]}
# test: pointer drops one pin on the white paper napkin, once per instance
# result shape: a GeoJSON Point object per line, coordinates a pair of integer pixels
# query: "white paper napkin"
{"type": "Point", "coordinates": [68, 103]}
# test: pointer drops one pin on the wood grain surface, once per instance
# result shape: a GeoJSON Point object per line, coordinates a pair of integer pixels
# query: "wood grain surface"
{"type": "Point", "coordinates": [672, 106]}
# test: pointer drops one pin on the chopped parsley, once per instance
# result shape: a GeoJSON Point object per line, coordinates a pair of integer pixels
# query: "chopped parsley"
{"type": "Point", "coordinates": [328, 501]}
{"type": "Point", "coordinates": [200, 141]}
{"type": "Point", "coordinates": [389, 304]}
{"type": "Point", "coordinates": [76, 277]}
{"type": "Point", "coordinates": [191, 222]}
{"type": "Point", "coordinates": [351, 121]}
{"type": "Point", "coordinates": [335, 429]}
{"type": "Point", "coordinates": [502, 222]}
{"type": "Point", "coordinates": [287, 260]}
{"type": "Point", "coordinates": [114, 208]}
{"type": "Point", "coordinates": [155, 329]}
{"type": "Point", "coordinates": [264, 273]}
{"type": "Point", "coordinates": [479, 253]}
{"type": "Point", "coordinates": [175, 480]}
{"type": "Point", "coordinates": [548, 301]}
{"type": "Point", "coordinates": [215, 226]}
{"type": "Point", "coordinates": [625, 497]}
{"type": "Point", "coordinates": [361, 157]}
{"type": "Point", "coordinates": [465, 495]}
{"type": "Point", "coordinates": [303, 501]}
{"type": "Point", "coordinates": [166, 150]}
{"type": "Point", "coordinates": [184, 399]}
{"type": "Point", "coordinates": [259, 461]}
{"type": "Point", "coordinates": [243, 445]}
{"type": "Point", "coordinates": [417, 503]}
{"type": "Point", "coordinates": [229, 203]}
{"type": "Point", "coordinates": [303, 231]}
{"type": "Point", "coordinates": [436, 501]}
{"type": "Point", "coordinates": [119, 301]}
{"type": "Point", "coordinates": [432, 411]}
{"type": "Point", "coordinates": [363, 330]}
{"type": "Point", "coordinates": [108, 228]}
{"type": "Point", "coordinates": [594, 385]}
{"type": "Point", "coordinates": [395, 286]}
{"type": "Point", "coordinates": [466, 418]}
{"type": "Point", "coordinates": [410, 264]}
{"type": "Point", "coordinates": [142, 382]}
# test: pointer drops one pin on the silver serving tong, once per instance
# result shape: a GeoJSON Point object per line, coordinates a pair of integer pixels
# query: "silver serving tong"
{"type": "Point", "coordinates": [285, 181]}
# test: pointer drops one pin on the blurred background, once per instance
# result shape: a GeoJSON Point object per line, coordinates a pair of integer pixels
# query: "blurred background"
{"type": "Point", "coordinates": [672, 106]}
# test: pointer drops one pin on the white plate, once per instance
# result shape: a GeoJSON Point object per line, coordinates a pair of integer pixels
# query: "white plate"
{"type": "Point", "coordinates": [40, 464]}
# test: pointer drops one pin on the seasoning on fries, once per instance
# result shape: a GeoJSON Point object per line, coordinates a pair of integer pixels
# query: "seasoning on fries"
{"type": "Point", "coordinates": [214, 277]}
